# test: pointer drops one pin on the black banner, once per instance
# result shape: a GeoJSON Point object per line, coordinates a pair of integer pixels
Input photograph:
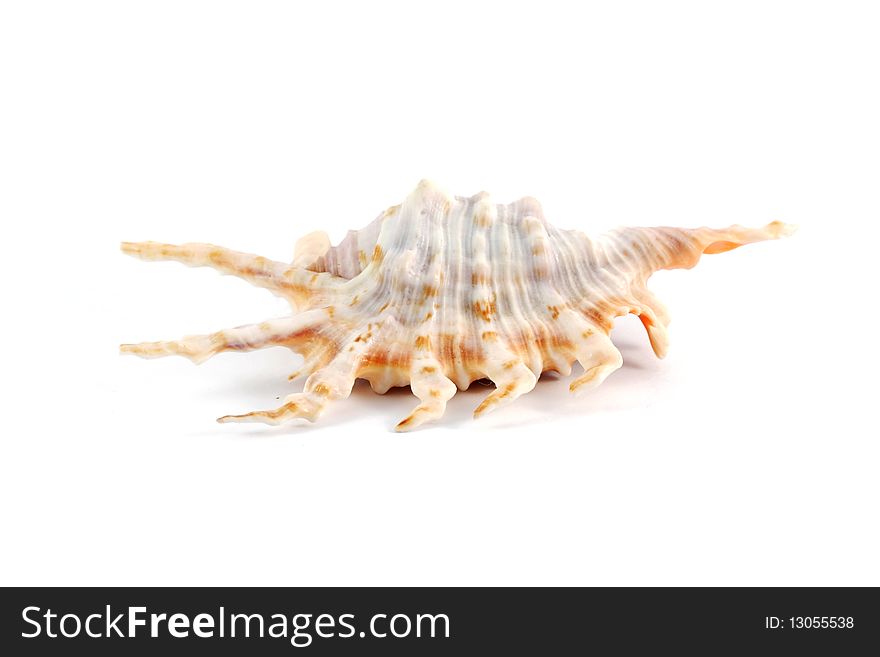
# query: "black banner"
{"type": "Point", "coordinates": [392, 621]}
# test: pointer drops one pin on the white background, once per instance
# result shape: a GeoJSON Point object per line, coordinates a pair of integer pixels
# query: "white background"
{"type": "Point", "coordinates": [748, 457]}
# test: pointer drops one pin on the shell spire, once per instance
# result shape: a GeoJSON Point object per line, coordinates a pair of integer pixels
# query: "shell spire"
{"type": "Point", "coordinates": [440, 291]}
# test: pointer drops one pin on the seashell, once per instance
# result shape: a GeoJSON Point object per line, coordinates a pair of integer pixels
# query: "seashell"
{"type": "Point", "coordinates": [438, 292]}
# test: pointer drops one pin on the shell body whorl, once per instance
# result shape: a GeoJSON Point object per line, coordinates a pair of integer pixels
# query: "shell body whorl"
{"type": "Point", "coordinates": [440, 291]}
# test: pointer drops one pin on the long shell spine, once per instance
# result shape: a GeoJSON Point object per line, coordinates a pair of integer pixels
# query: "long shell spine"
{"type": "Point", "coordinates": [439, 291]}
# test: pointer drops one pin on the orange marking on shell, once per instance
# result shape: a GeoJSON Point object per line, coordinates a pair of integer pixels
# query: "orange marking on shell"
{"type": "Point", "coordinates": [489, 336]}
{"type": "Point", "coordinates": [377, 253]}
{"type": "Point", "coordinates": [483, 219]}
{"type": "Point", "coordinates": [379, 360]}
{"type": "Point", "coordinates": [450, 350]}
{"type": "Point", "coordinates": [423, 342]}
{"type": "Point", "coordinates": [322, 389]}
{"type": "Point", "coordinates": [485, 309]}
{"type": "Point", "coordinates": [597, 318]}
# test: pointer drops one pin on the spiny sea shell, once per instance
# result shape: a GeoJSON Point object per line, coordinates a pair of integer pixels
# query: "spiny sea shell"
{"type": "Point", "coordinates": [438, 292]}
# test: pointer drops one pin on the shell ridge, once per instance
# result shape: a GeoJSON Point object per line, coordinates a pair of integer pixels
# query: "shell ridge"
{"type": "Point", "coordinates": [535, 307]}
{"type": "Point", "coordinates": [530, 334]}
